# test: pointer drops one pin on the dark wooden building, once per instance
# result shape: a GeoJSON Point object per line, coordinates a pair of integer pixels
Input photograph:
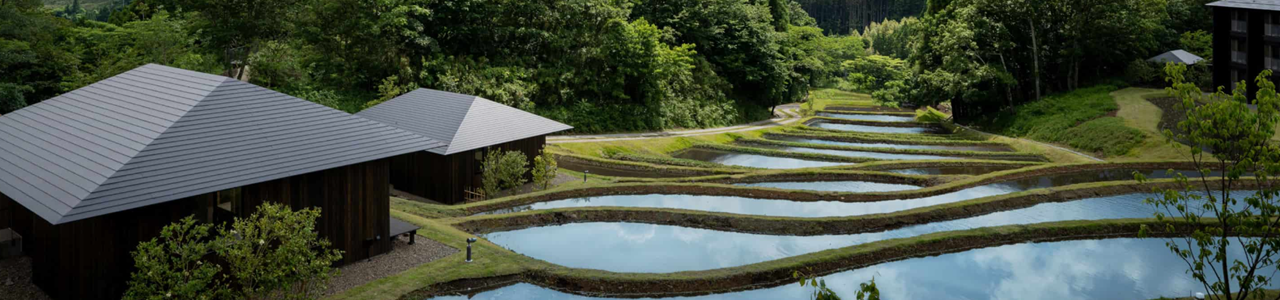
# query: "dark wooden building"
{"type": "Point", "coordinates": [89, 174]}
{"type": "Point", "coordinates": [1246, 40]}
{"type": "Point", "coordinates": [470, 126]}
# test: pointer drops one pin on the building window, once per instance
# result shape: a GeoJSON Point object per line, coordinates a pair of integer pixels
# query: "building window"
{"type": "Point", "coordinates": [1238, 54]}
{"type": "Point", "coordinates": [1272, 57]}
{"type": "Point", "coordinates": [1273, 24]}
{"type": "Point", "coordinates": [1239, 21]}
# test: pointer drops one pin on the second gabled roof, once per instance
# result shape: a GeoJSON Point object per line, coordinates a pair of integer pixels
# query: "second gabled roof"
{"type": "Point", "coordinates": [1178, 56]}
{"type": "Point", "coordinates": [465, 122]}
{"type": "Point", "coordinates": [156, 134]}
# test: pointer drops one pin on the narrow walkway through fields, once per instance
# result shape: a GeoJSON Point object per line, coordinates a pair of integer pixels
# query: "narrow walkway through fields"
{"type": "Point", "coordinates": [785, 114]}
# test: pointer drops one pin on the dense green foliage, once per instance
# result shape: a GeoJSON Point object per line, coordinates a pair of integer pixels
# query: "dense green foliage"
{"type": "Point", "coordinates": [599, 65]}
{"type": "Point", "coordinates": [1231, 139]}
{"type": "Point", "coordinates": [1078, 119]}
{"type": "Point", "coordinates": [849, 16]}
{"type": "Point", "coordinates": [275, 253]}
{"type": "Point", "coordinates": [985, 56]}
{"type": "Point", "coordinates": [891, 37]}
{"type": "Point", "coordinates": [502, 170]}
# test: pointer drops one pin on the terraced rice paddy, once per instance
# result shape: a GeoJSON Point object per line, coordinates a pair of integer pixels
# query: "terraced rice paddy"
{"type": "Point", "coordinates": [1115, 268]}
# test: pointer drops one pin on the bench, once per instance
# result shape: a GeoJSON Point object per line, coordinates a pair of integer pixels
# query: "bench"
{"type": "Point", "coordinates": [400, 227]}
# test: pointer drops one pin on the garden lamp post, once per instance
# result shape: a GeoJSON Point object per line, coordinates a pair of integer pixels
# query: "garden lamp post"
{"type": "Point", "coordinates": [584, 175]}
{"type": "Point", "coordinates": [469, 241]}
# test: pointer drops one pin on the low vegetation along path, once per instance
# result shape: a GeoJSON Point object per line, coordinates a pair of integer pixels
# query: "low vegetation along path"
{"type": "Point", "coordinates": [786, 114]}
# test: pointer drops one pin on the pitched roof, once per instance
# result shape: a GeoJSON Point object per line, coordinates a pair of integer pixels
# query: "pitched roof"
{"type": "Point", "coordinates": [465, 122]}
{"type": "Point", "coordinates": [1272, 5]}
{"type": "Point", "coordinates": [1178, 56]}
{"type": "Point", "coordinates": [156, 134]}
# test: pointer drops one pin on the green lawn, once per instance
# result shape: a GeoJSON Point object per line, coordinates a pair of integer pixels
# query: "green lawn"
{"type": "Point", "coordinates": [825, 97]}
{"type": "Point", "coordinates": [1139, 113]}
{"type": "Point", "coordinates": [1079, 119]}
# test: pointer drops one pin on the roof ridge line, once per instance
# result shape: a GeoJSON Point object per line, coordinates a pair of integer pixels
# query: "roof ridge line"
{"type": "Point", "coordinates": [153, 140]}
{"type": "Point", "coordinates": [470, 108]}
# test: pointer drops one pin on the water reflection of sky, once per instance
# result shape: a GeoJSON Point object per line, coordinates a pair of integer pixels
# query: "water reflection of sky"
{"type": "Point", "coordinates": [787, 208]}
{"type": "Point", "coordinates": [754, 160]}
{"type": "Point", "coordinates": [869, 117]}
{"type": "Point", "coordinates": [875, 129]}
{"type": "Point", "coordinates": [835, 186]}
{"type": "Point", "coordinates": [851, 153]}
{"type": "Point", "coordinates": [1094, 269]}
{"type": "Point", "coordinates": [630, 247]}
{"type": "Point", "coordinates": [891, 146]}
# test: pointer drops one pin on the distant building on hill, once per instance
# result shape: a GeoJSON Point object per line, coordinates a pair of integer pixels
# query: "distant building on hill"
{"type": "Point", "coordinates": [1246, 40]}
{"type": "Point", "coordinates": [1176, 56]}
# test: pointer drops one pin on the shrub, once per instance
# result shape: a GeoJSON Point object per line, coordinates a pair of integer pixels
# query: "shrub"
{"type": "Point", "coordinates": [174, 265]}
{"type": "Point", "coordinates": [1140, 72]}
{"type": "Point", "coordinates": [544, 169]}
{"type": "Point", "coordinates": [273, 254]}
{"type": "Point", "coordinates": [502, 170]}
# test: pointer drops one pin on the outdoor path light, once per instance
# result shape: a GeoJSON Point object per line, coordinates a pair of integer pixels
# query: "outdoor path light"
{"type": "Point", "coordinates": [584, 175]}
{"type": "Point", "coordinates": [469, 241]}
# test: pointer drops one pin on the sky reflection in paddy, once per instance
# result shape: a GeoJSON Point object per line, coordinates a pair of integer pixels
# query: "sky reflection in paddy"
{"type": "Point", "coordinates": [630, 247]}
{"type": "Point", "coordinates": [1089, 269]}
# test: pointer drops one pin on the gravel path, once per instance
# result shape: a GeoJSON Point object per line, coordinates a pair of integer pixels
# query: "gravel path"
{"type": "Point", "coordinates": [403, 257]}
{"type": "Point", "coordinates": [15, 280]}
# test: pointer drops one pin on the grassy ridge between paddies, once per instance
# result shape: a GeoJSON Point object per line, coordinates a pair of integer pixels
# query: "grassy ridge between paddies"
{"type": "Point", "coordinates": [878, 113]}
{"type": "Point", "coordinates": [806, 226]}
{"type": "Point", "coordinates": [660, 168]}
{"type": "Point", "coordinates": [721, 189]}
{"type": "Point", "coordinates": [780, 153]}
{"type": "Point", "coordinates": [810, 120]}
{"type": "Point", "coordinates": [956, 153]}
{"type": "Point", "coordinates": [833, 97]}
{"type": "Point", "coordinates": [1079, 119]}
{"type": "Point", "coordinates": [1052, 154]}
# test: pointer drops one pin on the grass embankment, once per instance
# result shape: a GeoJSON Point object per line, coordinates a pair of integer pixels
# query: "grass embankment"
{"type": "Point", "coordinates": [1081, 119]}
{"type": "Point", "coordinates": [833, 97]}
{"type": "Point", "coordinates": [1138, 112]}
{"type": "Point", "coordinates": [955, 153]}
{"type": "Point", "coordinates": [806, 226]}
{"type": "Point", "coordinates": [832, 120]}
{"type": "Point", "coordinates": [716, 186]}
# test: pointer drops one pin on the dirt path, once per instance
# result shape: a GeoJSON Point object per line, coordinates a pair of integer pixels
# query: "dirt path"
{"type": "Point", "coordinates": [785, 115]}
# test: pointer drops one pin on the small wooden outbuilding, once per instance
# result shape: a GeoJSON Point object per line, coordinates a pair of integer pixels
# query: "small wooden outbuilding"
{"type": "Point", "coordinates": [87, 175]}
{"type": "Point", "coordinates": [470, 126]}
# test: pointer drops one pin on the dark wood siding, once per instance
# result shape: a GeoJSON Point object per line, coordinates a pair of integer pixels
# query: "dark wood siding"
{"type": "Point", "coordinates": [354, 202]}
{"type": "Point", "coordinates": [6, 211]}
{"type": "Point", "coordinates": [446, 178]}
{"type": "Point", "coordinates": [89, 259]}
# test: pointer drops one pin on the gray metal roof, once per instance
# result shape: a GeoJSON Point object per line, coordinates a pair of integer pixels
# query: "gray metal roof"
{"type": "Point", "coordinates": [156, 134]}
{"type": "Point", "coordinates": [1178, 56]}
{"type": "Point", "coordinates": [466, 122]}
{"type": "Point", "coordinates": [1272, 5]}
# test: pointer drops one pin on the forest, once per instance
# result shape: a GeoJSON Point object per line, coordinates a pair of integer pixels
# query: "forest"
{"type": "Point", "coordinates": [609, 66]}
{"type": "Point", "coordinates": [851, 16]}
{"type": "Point", "coordinates": [599, 65]}
{"type": "Point", "coordinates": [987, 56]}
